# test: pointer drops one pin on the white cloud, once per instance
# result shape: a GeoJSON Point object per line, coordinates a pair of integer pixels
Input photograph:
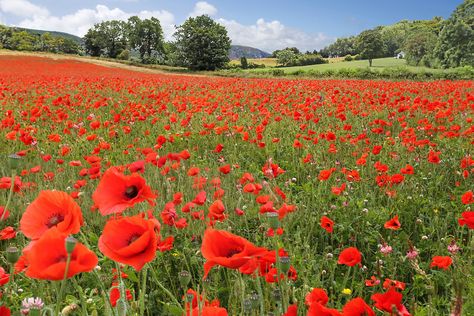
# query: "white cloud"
{"type": "Point", "coordinates": [22, 8]}
{"type": "Point", "coordinates": [80, 21]}
{"type": "Point", "coordinates": [202, 7]}
{"type": "Point", "coordinates": [273, 35]}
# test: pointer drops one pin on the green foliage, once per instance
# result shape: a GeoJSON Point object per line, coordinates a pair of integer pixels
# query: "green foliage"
{"type": "Point", "coordinates": [107, 38]}
{"type": "Point", "coordinates": [419, 46]}
{"type": "Point", "coordinates": [293, 49]}
{"type": "Point", "coordinates": [146, 36]}
{"type": "Point", "coordinates": [124, 55]}
{"type": "Point", "coordinates": [244, 63]}
{"type": "Point", "coordinates": [202, 43]}
{"type": "Point", "coordinates": [369, 44]}
{"type": "Point", "coordinates": [341, 47]}
{"type": "Point", "coordinates": [455, 46]}
{"type": "Point", "coordinates": [23, 41]}
{"type": "Point", "coordinates": [286, 57]}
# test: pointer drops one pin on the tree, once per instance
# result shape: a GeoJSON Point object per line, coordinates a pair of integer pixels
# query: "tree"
{"type": "Point", "coordinates": [23, 41]}
{"type": "Point", "coordinates": [5, 36]}
{"type": "Point", "coordinates": [107, 38]}
{"type": "Point", "coordinates": [244, 63]}
{"type": "Point", "coordinates": [369, 44]}
{"type": "Point", "coordinates": [455, 46]}
{"type": "Point", "coordinates": [146, 36]}
{"type": "Point", "coordinates": [341, 47]}
{"type": "Point", "coordinates": [419, 46]}
{"type": "Point", "coordinates": [286, 57]}
{"type": "Point", "coordinates": [202, 43]}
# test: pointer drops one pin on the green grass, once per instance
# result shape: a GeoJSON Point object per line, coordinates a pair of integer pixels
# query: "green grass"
{"type": "Point", "coordinates": [379, 63]}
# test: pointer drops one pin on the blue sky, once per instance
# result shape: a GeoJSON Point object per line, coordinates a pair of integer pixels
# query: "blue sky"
{"type": "Point", "coordinates": [264, 24]}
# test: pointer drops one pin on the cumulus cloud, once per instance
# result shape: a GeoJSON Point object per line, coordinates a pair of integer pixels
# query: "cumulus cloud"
{"type": "Point", "coordinates": [80, 21]}
{"type": "Point", "coordinates": [202, 7]}
{"type": "Point", "coordinates": [22, 8]}
{"type": "Point", "coordinates": [272, 35]}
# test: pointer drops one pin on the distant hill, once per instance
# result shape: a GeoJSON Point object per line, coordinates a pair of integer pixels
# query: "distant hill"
{"type": "Point", "coordinates": [75, 38]}
{"type": "Point", "coordinates": [238, 51]}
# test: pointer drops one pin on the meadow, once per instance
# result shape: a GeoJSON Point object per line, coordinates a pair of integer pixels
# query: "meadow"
{"type": "Point", "coordinates": [199, 195]}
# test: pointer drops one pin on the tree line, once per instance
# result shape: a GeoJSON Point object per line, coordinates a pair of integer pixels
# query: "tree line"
{"type": "Point", "coordinates": [432, 43]}
{"type": "Point", "coordinates": [23, 40]}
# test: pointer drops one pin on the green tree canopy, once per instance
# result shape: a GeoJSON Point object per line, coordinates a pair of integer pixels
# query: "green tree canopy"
{"type": "Point", "coordinates": [455, 45]}
{"type": "Point", "coordinates": [146, 36]}
{"type": "Point", "coordinates": [286, 57]}
{"type": "Point", "coordinates": [106, 38]}
{"type": "Point", "coordinates": [369, 44]}
{"type": "Point", "coordinates": [202, 43]}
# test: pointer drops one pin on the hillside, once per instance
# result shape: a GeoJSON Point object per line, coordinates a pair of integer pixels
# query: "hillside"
{"type": "Point", "coordinates": [238, 51]}
{"type": "Point", "coordinates": [75, 38]}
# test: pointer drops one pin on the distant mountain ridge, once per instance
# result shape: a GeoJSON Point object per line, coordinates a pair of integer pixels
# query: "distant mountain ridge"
{"type": "Point", "coordinates": [239, 51]}
{"type": "Point", "coordinates": [75, 38]}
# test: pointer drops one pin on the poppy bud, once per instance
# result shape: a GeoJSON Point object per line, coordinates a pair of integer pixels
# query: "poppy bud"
{"type": "Point", "coordinates": [255, 299]}
{"type": "Point", "coordinates": [184, 278]}
{"type": "Point", "coordinates": [276, 294]}
{"type": "Point", "coordinates": [273, 220]}
{"type": "Point", "coordinates": [14, 161]}
{"type": "Point", "coordinates": [70, 244]}
{"type": "Point", "coordinates": [12, 255]}
{"type": "Point", "coordinates": [189, 297]}
{"type": "Point", "coordinates": [248, 306]}
{"type": "Point", "coordinates": [284, 264]}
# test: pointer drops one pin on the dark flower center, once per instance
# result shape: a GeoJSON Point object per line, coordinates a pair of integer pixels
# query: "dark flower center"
{"type": "Point", "coordinates": [131, 192]}
{"type": "Point", "coordinates": [54, 220]}
{"type": "Point", "coordinates": [232, 251]}
{"type": "Point", "coordinates": [133, 238]}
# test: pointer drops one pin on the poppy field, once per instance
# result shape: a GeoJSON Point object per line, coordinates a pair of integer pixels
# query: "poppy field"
{"type": "Point", "coordinates": [128, 193]}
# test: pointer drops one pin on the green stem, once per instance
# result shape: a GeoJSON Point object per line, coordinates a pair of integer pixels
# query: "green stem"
{"type": "Point", "coordinates": [155, 278]}
{"type": "Point", "coordinates": [81, 296]}
{"type": "Point", "coordinates": [10, 194]}
{"type": "Point", "coordinates": [260, 294]}
{"type": "Point", "coordinates": [63, 284]}
{"type": "Point", "coordinates": [143, 290]}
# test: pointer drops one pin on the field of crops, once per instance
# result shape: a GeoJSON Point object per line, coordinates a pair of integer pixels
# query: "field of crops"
{"type": "Point", "coordinates": [193, 195]}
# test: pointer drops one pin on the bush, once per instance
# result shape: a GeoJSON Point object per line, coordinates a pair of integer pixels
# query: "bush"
{"type": "Point", "coordinates": [348, 58]}
{"type": "Point", "coordinates": [124, 55]}
{"type": "Point", "coordinates": [277, 72]}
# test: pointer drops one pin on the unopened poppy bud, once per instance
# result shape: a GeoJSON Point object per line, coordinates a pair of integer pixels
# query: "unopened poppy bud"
{"type": "Point", "coordinates": [121, 307]}
{"type": "Point", "coordinates": [189, 297]}
{"type": "Point", "coordinates": [255, 299]}
{"type": "Point", "coordinates": [184, 278]}
{"type": "Point", "coordinates": [273, 220]}
{"type": "Point", "coordinates": [14, 161]}
{"type": "Point", "coordinates": [247, 306]}
{"type": "Point", "coordinates": [276, 294]}
{"type": "Point", "coordinates": [284, 264]}
{"type": "Point", "coordinates": [12, 255]}
{"type": "Point", "coordinates": [70, 244]}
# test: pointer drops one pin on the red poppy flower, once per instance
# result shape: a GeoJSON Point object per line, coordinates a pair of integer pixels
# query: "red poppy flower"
{"type": "Point", "coordinates": [467, 219]}
{"type": "Point", "coordinates": [4, 213]}
{"type": "Point", "coordinates": [467, 198]}
{"type": "Point", "coordinates": [441, 262]}
{"type": "Point", "coordinates": [7, 233]}
{"type": "Point", "coordinates": [51, 209]}
{"type": "Point", "coordinates": [129, 240]}
{"type": "Point", "coordinates": [291, 311]}
{"type": "Point", "coordinates": [393, 224]}
{"type": "Point", "coordinates": [117, 192]}
{"type": "Point", "coordinates": [350, 257]}
{"type": "Point", "coordinates": [357, 307]}
{"type": "Point", "coordinates": [228, 250]}
{"type": "Point", "coordinates": [388, 283]}
{"type": "Point", "coordinates": [4, 277]}
{"type": "Point", "coordinates": [46, 258]}
{"type": "Point", "coordinates": [317, 295]}
{"type": "Point", "coordinates": [327, 224]}
{"type": "Point", "coordinates": [4, 311]}
{"type": "Point", "coordinates": [115, 294]}
{"type": "Point", "coordinates": [317, 309]}
{"type": "Point", "coordinates": [389, 300]}
{"type": "Point", "coordinates": [210, 311]}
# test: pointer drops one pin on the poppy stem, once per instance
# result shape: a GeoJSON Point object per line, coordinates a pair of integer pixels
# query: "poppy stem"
{"type": "Point", "coordinates": [63, 284]}
{"type": "Point", "coordinates": [143, 290]}
{"type": "Point", "coordinates": [260, 294]}
{"type": "Point", "coordinates": [155, 278]}
{"type": "Point", "coordinates": [10, 194]}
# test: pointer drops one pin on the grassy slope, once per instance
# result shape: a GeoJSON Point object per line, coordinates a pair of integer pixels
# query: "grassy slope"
{"type": "Point", "coordinates": [379, 63]}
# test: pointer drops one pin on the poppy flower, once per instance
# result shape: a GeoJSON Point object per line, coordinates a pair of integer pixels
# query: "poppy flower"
{"type": "Point", "coordinates": [317, 309]}
{"type": "Point", "coordinates": [317, 295]}
{"type": "Point", "coordinates": [350, 257]}
{"type": "Point", "coordinates": [389, 300]}
{"type": "Point", "coordinates": [129, 240]}
{"type": "Point", "coordinates": [327, 224]}
{"type": "Point", "coordinates": [4, 213]}
{"type": "Point", "coordinates": [117, 192]}
{"type": "Point", "coordinates": [46, 257]}
{"type": "Point", "coordinates": [357, 307]}
{"type": "Point", "coordinates": [4, 311]}
{"type": "Point", "coordinates": [222, 248]}
{"type": "Point", "coordinates": [4, 277]}
{"type": "Point", "coordinates": [393, 224]}
{"type": "Point", "coordinates": [291, 311]}
{"type": "Point", "coordinates": [7, 233]}
{"type": "Point", "coordinates": [51, 209]}
{"type": "Point", "coordinates": [467, 198]}
{"type": "Point", "coordinates": [467, 219]}
{"type": "Point", "coordinates": [441, 262]}
{"type": "Point", "coordinates": [115, 294]}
